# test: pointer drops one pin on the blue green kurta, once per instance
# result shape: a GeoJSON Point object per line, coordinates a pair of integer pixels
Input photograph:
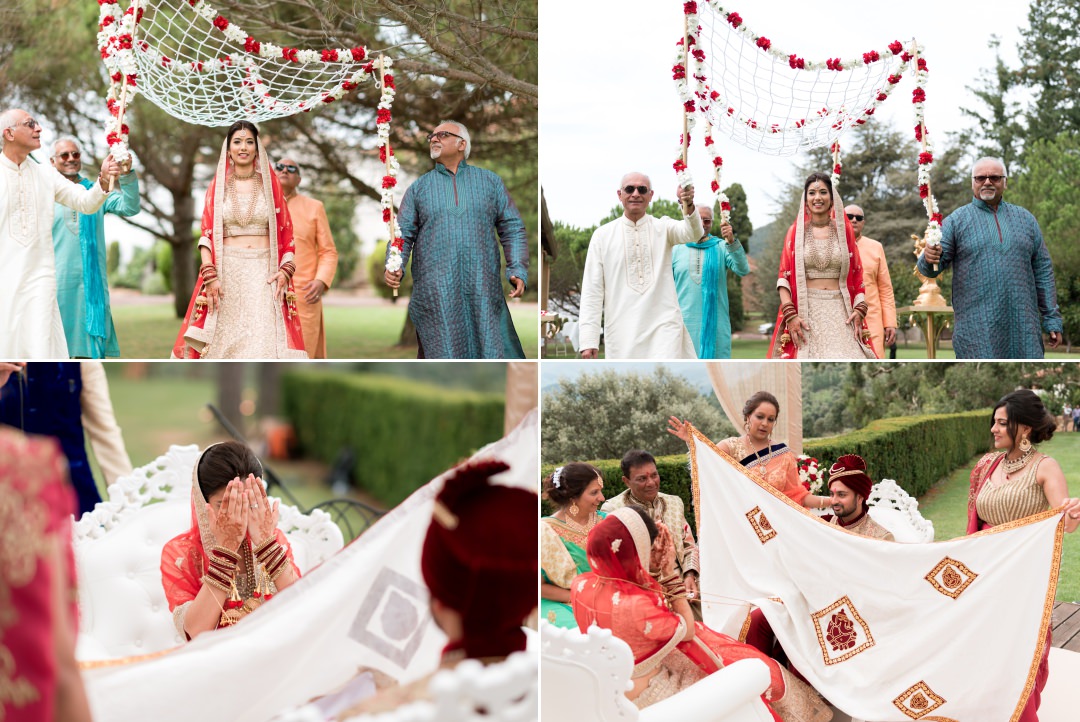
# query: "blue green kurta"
{"type": "Point", "coordinates": [1003, 289]}
{"type": "Point", "coordinates": [449, 223]}
{"type": "Point", "coordinates": [687, 263]}
{"type": "Point", "coordinates": [72, 278]}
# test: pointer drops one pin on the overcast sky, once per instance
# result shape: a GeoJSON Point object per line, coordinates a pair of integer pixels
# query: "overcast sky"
{"type": "Point", "coordinates": [608, 104]}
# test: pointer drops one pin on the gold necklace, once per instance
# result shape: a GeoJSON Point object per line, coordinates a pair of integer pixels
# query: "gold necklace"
{"type": "Point", "coordinates": [819, 254]}
{"type": "Point", "coordinates": [232, 198]}
{"type": "Point", "coordinates": [237, 175]}
{"type": "Point", "coordinates": [1012, 466]}
{"type": "Point", "coordinates": [582, 528]}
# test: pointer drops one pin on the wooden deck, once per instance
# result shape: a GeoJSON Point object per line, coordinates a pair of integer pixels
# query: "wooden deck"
{"type": "Point", "coordinates": [1066, 626]}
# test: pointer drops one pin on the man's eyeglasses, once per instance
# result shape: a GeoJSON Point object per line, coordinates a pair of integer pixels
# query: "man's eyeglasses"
{"type": "Point", "coordinates": [72, 154]}
{"type": "Point", "coordinates": [289, 167]}
{"type": "Point", "coordinates": [442, 135]}
{"type": "Point", "coordinates": [29, 123]}
{"type": "Point", "coordinates": [854, 217]}
{"type": "Point", "coordinates": [980, 179]}
{"type": "Point", "coordinates": [629, 190]}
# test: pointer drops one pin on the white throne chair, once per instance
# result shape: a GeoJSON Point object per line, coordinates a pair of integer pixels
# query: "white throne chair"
{"type": "Point", "coordinates": [122, 606]}
{"type": "Point", "coordinates": [586, 677]}
{"type": "Point", "coordinates": [896, 510]}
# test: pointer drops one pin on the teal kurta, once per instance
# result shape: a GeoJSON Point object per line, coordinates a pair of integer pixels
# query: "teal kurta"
{"type": "Point", "coordinates": [689, 265]}
{"type": "Point", "coordinates": [73, 277]}
{"type": "Point", "coordinates": [449, 223]}
{"type": "Point", "coordinates": [1004, 295]}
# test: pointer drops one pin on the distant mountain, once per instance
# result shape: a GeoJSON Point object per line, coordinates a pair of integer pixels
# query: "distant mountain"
{"type": "Point", "coordinates": [757, 238]}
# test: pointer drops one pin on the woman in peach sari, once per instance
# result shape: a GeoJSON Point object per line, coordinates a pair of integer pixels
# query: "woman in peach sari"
{"type": "Point", "coordinates": [775, 464]}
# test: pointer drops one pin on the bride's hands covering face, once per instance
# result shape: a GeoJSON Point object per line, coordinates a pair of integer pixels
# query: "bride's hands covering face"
{"type": "Point", "coordinates": [229, 522]}
{"type": "Point", "coordinates": [263, 519]}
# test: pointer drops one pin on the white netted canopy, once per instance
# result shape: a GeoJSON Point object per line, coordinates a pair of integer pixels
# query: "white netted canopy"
{"type": "Point", "coordinates": [765, 104]}
{"type": "Point", "coordinates": [196, 65]}
{"type": "Point", "coordinates": [745, 89]}
{"type": "Point", "coordinates": [199, 67]}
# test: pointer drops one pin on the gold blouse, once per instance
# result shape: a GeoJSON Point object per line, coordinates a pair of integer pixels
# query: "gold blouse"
{"type": "Point", "coordinates": [1004, 501]}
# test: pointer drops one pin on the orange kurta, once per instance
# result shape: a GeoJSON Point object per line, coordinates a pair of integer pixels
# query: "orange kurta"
{"type": "Point", "coordinates": [316, 258]}
{"type": "Point", "coordinates": [879, 293]}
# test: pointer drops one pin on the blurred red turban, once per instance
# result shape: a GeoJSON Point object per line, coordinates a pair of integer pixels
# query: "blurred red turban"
{"type": "Point", "coordinates": [851, 470]}
{"type": "Point", "coordinates": [480, 558]}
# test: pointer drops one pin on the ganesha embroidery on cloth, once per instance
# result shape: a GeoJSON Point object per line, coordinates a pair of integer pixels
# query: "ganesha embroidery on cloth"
{"type": "Point", "coordinates": [841, 631]}
{"type": "Point", "coordinates": [918, 701]}
{"type": "Point", "coordinates": [951, 577]}
{"type": "Point", "coordinates": [760, 524]}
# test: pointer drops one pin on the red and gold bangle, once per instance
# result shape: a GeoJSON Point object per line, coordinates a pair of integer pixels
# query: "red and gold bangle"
{"type": "Point", "coordinates": [216, 583]}
{"type": "Point", "coordinates": [288, 268]}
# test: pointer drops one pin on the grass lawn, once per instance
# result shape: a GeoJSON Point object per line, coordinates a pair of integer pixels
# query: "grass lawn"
{"type": "Point", "coordinates": [946, 505]}
{"type": "Point", "coordinates": [148, 331]}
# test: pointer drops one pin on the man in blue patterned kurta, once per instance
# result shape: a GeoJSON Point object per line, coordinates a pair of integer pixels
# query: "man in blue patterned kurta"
{"type": "Point", "coordinates": [82, 286]}
{"type": "Point", "coordinates": [448, 219]}
{"type": "Point", "coordinates": [1003, 283]}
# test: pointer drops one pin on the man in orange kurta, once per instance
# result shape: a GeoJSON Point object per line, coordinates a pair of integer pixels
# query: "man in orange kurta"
{"type": "Point", "coordinates": [881, 318]}
{"type": "Point", "coordinates": [316, 256]}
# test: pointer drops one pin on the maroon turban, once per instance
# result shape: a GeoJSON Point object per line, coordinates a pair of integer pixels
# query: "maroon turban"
{"type": "Point", "coordinates": [851, 470]}
{"type": "Point", "coordinates": [480, 558]}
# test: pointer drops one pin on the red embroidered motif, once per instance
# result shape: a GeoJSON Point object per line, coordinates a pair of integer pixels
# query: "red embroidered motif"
{"type": "Point", "coordinates": [760, 524]}
{"type": "Point", "coordinates": [951, 577]}
{"type": "Point", "coordinates": [839, 630]}
{"type": "Point", "coordinates": [841, 633]}
{"type": "Point", "coordinates": [918, 701]}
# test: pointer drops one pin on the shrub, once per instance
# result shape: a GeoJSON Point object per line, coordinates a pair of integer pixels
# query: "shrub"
{"type": "Point", "coordinates": [376, 266]}
{"type": "Point", "coordinates": [916, 451]}
{"type": "Point", "coordinates": [403, 432]}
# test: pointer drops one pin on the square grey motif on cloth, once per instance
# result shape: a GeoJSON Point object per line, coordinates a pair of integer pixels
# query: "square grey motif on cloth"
{"type": "Point", "coordinates": [393, 617]}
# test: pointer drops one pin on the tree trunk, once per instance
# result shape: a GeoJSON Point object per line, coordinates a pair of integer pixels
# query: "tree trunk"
{"type": "Point", "coordinates": [269, 388]}
{"type": "Point", "coordinates": [183, 267]}
{"type": "Point", "coordinates": [230, 391]}
{"type": "Point", "coordinates": [408, 335]}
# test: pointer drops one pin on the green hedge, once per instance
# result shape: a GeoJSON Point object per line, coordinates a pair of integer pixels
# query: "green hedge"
{"type": "Point", "coordinates": [916, 451]}
{"type": "Point", "coordinates": [403, 432]}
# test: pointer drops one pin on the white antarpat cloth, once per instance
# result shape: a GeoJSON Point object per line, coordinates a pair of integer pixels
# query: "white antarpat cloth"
{"type": "Point", "coordinates": [366, 606]}
{"type": "Point", "coordinates": [885, 631]}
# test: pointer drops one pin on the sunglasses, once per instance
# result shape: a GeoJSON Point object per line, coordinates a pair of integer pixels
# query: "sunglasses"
{"type": "Point", "coordinates": [290, 167]}
{"type": "Point", "coordinates": [442, 135]}
{"type": "Point", "coordinates": [854, 217]}
{"type": "Point", "coordinates": [72, 154]}
{"type": "Point", "coordinates": [992, 178]}
{"type": "Point", "coordinates": [629, 190]}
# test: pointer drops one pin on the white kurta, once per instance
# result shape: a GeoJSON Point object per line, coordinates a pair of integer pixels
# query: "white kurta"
{"type": "Point", "coordinates": [628, 274]}
{"type": "Point", "coordinates": [30, 323]}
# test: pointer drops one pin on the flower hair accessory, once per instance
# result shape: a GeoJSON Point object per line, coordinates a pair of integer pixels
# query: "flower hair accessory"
{"type": "Point", "coordinates": [556, 478]}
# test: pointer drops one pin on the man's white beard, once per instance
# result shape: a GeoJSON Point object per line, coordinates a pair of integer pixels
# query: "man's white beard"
{"type": "Point", "coordinates": [435, 153]}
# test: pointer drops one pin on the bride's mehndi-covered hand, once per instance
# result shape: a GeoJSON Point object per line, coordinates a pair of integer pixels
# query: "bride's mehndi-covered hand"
{"type": "Point", "coordinates": [229, 523]}
{"type": "Point", "coordinates": [662, 556]}
{"type": "Point", "coordinates": [262, 523]}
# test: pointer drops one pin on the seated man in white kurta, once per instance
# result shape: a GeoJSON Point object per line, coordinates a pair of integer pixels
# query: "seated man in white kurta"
{"type": "Point", "coordinates": [30, 323]}
{"type": "Point", "coordinates": [628, 279]}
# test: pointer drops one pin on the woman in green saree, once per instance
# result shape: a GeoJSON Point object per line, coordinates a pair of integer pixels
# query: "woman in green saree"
{"type": "Point", "coordinates": [577, 490]}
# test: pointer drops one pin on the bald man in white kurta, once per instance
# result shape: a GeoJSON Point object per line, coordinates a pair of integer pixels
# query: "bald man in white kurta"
{"type": "Point", "coordinates": [628, 280]}
{"type": "Point", "coordinates": [30, 323]}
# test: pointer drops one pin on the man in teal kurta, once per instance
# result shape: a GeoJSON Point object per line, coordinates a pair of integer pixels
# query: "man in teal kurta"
{"type": "Point", "coordinates": [82, 288]}
{"type": "Point", "coordinates": [701, 282]}
{"type": "Point", "coordinates": [1004, 295]}
{"type": "Point", "coordinates": [449, 219]}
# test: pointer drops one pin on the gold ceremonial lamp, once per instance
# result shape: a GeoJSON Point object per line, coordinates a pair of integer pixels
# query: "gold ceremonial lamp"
{"type": "Point", "coordinates": [929, 293]}
{"type": "Point", "coordinates": [930, 302]}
